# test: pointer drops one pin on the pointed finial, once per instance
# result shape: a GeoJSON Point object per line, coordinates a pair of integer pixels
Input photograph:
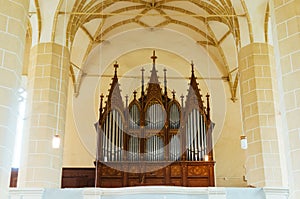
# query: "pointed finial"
{"type": "Point", "coordinates": [101, 106]}
{"type": "Point", "coordinates": [165, 81]}
{"type": "Point", "coordinates": [173, 92]}
{"type": "Point", "coordinates": [134, 94]}
{"type": "Point", "coordinates": [192, 64]}
{"type": "Point", "coordinates": [154, 57]}
{"type": "Point", "coordinates": [208, 107]}
{"type": "Point", "coordinates": [142, 92]}
{"type": "Point", "coordinates": [116, 66]}
{"type": "Point", "coordinates": [182, 97]}
{"type": "Point", "coordinates": [153, 78]}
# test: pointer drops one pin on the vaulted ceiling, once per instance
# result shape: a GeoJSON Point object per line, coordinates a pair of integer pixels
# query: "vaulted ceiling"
{"type": "Point", "coordinates": [211, 24]}
{"type": "Point", "coordinates": [84, 25]}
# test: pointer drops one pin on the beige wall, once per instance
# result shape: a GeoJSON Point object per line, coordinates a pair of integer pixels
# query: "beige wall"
{"type": "Point", "coordinates": [46, 110]}
{"type": "Point", "coordinates": [287, 26]}
{"type": "Point", "coordinates": [75, 153]}
{"type": "Point", "coordinates": [230, 158]}
{"type": "Point", "coordinates": [13, 25]}
{"type": "Point", "coordinates": [259, 99]}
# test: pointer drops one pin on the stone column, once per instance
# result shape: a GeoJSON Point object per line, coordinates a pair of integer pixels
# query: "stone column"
{"type": "Point", "coordinates": [259, 95]}
{"type": "Point", "coordinates": [47, 97]}
{"type": "Point", "coordinates": [13, 25]}
{"type": "Point", "coordinates": [287, 24]}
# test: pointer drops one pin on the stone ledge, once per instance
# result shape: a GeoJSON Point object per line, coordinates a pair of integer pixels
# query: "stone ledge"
{"type": "Point", "coordinates": [151, 192]}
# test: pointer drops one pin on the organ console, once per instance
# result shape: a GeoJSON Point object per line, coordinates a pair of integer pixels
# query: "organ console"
{"type": "Point", "coordinates": [154, 140]}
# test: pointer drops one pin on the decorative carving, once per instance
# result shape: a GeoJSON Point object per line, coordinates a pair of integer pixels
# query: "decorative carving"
{"type": "Point", "coordinates": [197, 171]}
{"type": "Point", "coordinates": [154, 140]}
{"type": "Point", "coordinates": [176, 171]}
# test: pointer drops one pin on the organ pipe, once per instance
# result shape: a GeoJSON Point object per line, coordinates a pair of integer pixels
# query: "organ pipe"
{"type": "Point", "coordinates": [112, 141]}
{"type": "Point", "coordinates": [148, 111]}
{"type": "Point", "coordinates": [196, 136]}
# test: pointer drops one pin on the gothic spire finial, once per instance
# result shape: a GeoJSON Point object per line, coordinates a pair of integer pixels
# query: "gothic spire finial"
{"type": "Point", "coordinates": [165, 80]}
{"type": "Point", "coordinates": [153, 57]}
{"type": "Point", "coordinates": [182, 97]}
{"type": "Point", "coordinates": [192, 64]}
{"type": "Point", "coordinates": [154, 78]}
{"type": "Point", "coordinates": [116, 66]}
{"type": "Point", "coordinates": [173, 93]}
{"type": "Point", "coordinates": [142, 92]}
{"type": "Point", "coordinates": [208, 107]}
{"type": "Point", "coordinates": [101, 107]}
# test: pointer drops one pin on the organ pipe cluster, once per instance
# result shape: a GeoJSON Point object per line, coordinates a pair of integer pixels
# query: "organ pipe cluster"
{"type": "Point", "coordinates": [154, 127]}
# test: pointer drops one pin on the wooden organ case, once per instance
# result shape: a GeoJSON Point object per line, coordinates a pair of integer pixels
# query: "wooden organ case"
{"type": "Point", "coordinates": [154, 140]}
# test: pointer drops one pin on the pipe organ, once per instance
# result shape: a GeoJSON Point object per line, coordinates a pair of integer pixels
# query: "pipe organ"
{"type": "Point", "coordinates": [154, 140]}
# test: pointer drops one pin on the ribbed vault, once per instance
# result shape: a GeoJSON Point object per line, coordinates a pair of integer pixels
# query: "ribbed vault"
{"type": "Point", "coordinates": [212, 24]}
{"type": "Point", "coordinates": [215, 25]}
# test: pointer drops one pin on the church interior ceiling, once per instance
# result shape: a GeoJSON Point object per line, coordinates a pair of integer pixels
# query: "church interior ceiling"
{"type": "Point", "coordinates": [219, 27]}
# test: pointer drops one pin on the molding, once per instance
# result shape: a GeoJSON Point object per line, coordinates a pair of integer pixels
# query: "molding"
{"type": "Point", "coordinates": [276, 192]}
{"type": "Point", "coordinates": [26, 192]}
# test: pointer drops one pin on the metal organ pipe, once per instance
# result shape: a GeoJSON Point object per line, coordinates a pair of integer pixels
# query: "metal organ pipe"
{"type": "Point", "coordinates": [134, 117]}
{"type": "Point", "coordinates": [155, 147]}
{"type": "Point", "coordinates": [116, 138]}
{"type": "Point", "coordinates": [118, 145]}
{"type": "Point", "coordinates": [154, 117]}
{"type": "Point", "coordinates": [121, 141]}
{"type": "Point", "coordinates": [174, 117]}
{"type": "Point", "coordinates": [191, 137]}
{"type": "Point", "coordinates": [138, 141]}
{"type": "Point", "coordinates": [107, 137]}
{"type": "Point", "coordinates": [195, 136]}
{"type": "Point", "coordinates": [112, 141]}
{"type": "Point", "coordinates": [131, 148]}
{"type": "Point", "coordinates": [161, 149]}
{"type": "Point", "coordinates": [198, 133]}
{"type": "Point", "coordinates": [174, 148]}
{"type": "Point", "coordinates": [202, 137]}
{"type": "Point", "coordinates": [113, 132]}
{"type": "Point", "coordinates": [188, 132]}
{"type": "Point", "coordinates": [134, 148]}
{"type": "Point", "coordinates": [119, 127]}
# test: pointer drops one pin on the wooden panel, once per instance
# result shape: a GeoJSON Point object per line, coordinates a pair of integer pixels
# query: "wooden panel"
{"type": "Point", "coordinates": [198, 170]}
{"type": "Point", "coordinates": [198, 174]}
{"type": "Point", "coordinates": [111, 182]}
{"type": "Point", "coordinates": [157, 173]}
{"type": "Point", "coordinates": [108, 171]}
{"type": "Point", "coordinates": [176, 181]}
{"type": "Point", "coordinates": [78, 177]}
{"type": "Point", "coordinates": [176, 171]}
{"type": "Point", "coordinates": [133, 182]}
{"type": "Point", "coordinates": [198, 182]}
